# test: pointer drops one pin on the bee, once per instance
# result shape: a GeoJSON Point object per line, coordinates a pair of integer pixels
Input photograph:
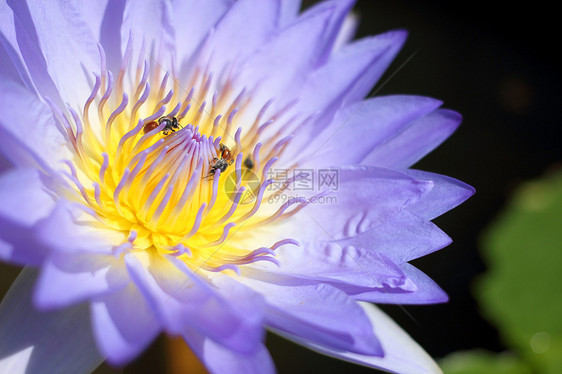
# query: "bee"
{"type": "Point", "coordinates": [221, 163]}
{"type": "Point", "coordinates": [170, 125]}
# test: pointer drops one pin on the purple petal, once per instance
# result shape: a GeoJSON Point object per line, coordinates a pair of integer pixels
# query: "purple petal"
{"type": "Point", "coordinates": [10, 67]}
{"type": "Point", "coordinates": [339, 10]}
{"type": "Point", "coordinates": [23, 197]}
{"type": "Point", "coordinates": [18, 245]}
{"type": "Point", "coordinates": [60, 342]}
{"type": "Point", "coordinates": [69, 279]}
{"type": "Point", "coordinates": [105, 18]}
{"type": "Point", "coordinates": [333, 263]}
{"type": "Point", "coordinates": [152, 24]}
{"type": "Point", "coordinates": [124, 324]}
{"type": "Point", "coordinates": [316, 312]}
{"type": "Point", "coordinates": [220, 360]}
{"type": "Point", "coordinates": [347, 31]}
{"type": "Point", "coordinates": [28, 129]}
{"type": "Point", "coordinates": [331, 83]}
{"type": "Point", "coordinates": [23, 201]}
{"type": "Point", "coordinates": [193, 20]}
{"type": "Point", "coordinates": [423, 291]}
{"type": "Point", "coordinates": [16, 153]}
{"type": "Point", "coordinates": [19, 38]}
{"type": "Point", "coordinates": [289, 11]}
{"type": "Point", "coordinates": [183, 301]}
{"type": "Point", "coordinates": [401, 353]}
{"type": "Point", "coordinates": [283, 62]}
{"type": "Point", "coordinates": [373, 74]}
{"type": "Point", "coordinates": [359, 128]}
{"type": "Point", "coordinates": [446, 194]}
{"type": "Point", "coordinates": [92, 13]}
{"type": "Point", "coordinates": [70, 231]}
{"type": "Point", "coordinates": [239, 34]}
{"type": "Point", "coordinates": [409, 146]}
{"type": "Point", "coordinates": [365, 198]}
{"type": "Point", "coordinates": [403, 238]}
{"type": "Point", "coordinates": [5, 164]}
{"type": "Point", "coordinates": [68, 45]}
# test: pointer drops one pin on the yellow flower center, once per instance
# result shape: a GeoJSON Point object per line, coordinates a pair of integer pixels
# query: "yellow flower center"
{"type": "Point", "coordinates": [171, 169]}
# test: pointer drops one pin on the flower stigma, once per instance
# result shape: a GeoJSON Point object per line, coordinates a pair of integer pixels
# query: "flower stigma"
{"type": "Point", "coordinates": [170, 169]}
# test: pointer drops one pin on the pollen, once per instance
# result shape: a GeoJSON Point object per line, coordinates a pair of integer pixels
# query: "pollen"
{"type": "Point", "coordinates": [169, 166]}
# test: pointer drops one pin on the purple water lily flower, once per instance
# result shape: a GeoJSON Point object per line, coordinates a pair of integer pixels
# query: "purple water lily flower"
{"type": "Point", "coordinates": [210, 169]}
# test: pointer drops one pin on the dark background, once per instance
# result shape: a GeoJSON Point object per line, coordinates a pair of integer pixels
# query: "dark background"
{"type": "Point", "coordinates": [499, 67]}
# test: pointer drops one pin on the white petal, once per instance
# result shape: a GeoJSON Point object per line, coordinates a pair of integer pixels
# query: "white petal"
{"type": "Point", "coordinates": [60, 342]}
{"type": "Point", "coordinates": [17, 362]}
{"type": "Point", "coordinates": [401, 353]}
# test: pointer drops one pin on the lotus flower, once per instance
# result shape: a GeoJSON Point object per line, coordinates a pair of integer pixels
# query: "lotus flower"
{"type": "Point", "coordinates": [210, 169]}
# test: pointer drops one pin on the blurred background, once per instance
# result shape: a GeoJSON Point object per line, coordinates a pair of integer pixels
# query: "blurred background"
{"type": "Point", "coordinates": [500, 68]}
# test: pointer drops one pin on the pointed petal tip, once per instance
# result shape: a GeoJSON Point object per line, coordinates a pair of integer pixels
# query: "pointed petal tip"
{"type": "Point", "coordinates": [399, 34]}
{"type": "Point", "coordinates": [16, 362]}
{"type": "Point", "coordinates": [452, 115]}
{"type": "Point", "coordinates": [451, 119]}
{"type": "Point", "coordinates": [395, 37]}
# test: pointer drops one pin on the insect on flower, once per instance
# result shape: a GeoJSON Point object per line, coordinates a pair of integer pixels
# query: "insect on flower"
{"type": "Point", "coordinates": [171, 125]}
{"type": "Point", "coordinates": [221, 163]}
